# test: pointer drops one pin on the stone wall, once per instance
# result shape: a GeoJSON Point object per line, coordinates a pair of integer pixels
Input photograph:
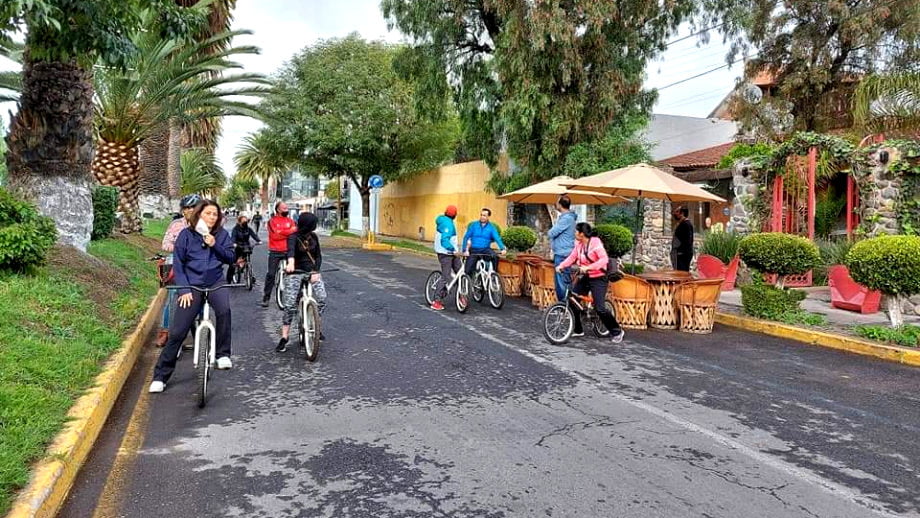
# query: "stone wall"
{"type": "Point", "coordinates": [747, 189]}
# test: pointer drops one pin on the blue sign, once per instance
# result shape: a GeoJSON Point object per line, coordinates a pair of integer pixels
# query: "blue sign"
{"type": "Point", "coordinates": [376, 181]}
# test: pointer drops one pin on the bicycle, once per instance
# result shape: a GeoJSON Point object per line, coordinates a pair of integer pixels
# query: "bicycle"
{"type": "Point", "coordinates": [279, 285]}
{"type": "Point", "coordinates": [310, 324]}
{"type": "Point", "coordinates": [203, 358]}
{"type": "Point", "coordinates": [458, 279]}
{"type": "Point", "coordinates": [164, 270]}
{"type": "Point", "coordinates": [486, 276]}
{"type": "Point", "coordinates": [242, 274]}
{"type": "Point", "coordinates": [559, 322]}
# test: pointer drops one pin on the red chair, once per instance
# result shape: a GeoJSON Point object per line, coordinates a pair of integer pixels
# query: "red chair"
{"type": "Point", "coordinates": [850, 295]}
{"type": "Point", "coordinates": [711, 267]}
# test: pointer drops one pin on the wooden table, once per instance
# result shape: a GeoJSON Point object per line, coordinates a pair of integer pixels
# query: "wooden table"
{"type": "Point", "coordinates": [664, 284]}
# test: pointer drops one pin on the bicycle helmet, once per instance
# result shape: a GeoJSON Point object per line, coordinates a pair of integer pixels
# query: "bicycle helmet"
{"type": "Point", "coordinates": [190, 201]}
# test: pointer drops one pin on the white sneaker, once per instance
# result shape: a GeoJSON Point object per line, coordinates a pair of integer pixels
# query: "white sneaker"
{"type": "Point", "coordinates": [224, 363]}
{"type": "Point", "coordinates": [618, 336]}
{"type": "Point", "coordinates": [156, 387]}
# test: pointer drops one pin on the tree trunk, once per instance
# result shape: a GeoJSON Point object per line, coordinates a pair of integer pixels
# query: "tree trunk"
{"type": "Point", "coordinates": [263, 195]}
{"type": "Point", "coordinates": [153, 154]}
{"type": "Point", "coordinates": [365, 210]}
{"type": "Point", "coordinates": [50, 146]}
{"type": "Point", "coordinates": [338, 207]}
{"type": "Point", "coordinates": [173, 165]}
{"type": "Point", "coordinates": [894, 310]}
{"type": "Point", "coordinates": [117, 165]}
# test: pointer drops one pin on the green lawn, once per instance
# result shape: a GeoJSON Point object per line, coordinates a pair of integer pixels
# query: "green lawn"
{"type": "Point", "coordinates": [58, 325]}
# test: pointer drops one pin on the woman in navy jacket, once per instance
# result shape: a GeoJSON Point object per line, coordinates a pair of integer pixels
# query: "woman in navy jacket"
{"type": "Point", "coordinates": [199, 259]}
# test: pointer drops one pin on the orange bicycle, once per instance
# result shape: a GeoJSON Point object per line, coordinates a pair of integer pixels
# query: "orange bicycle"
{"type": "Point", "coordinates": [559, 320]}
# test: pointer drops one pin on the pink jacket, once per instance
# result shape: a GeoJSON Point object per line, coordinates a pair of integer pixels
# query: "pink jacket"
{"type": "Point", "coordinates": [594, 258]}
{"type": "Point", "coordinates": [172, 232]}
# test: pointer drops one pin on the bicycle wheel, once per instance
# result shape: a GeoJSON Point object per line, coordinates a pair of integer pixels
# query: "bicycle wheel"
{"type": "Point", "coordinates": [247, 272]}
{"type": "Point", "coordinates": [558, 323]}
{"type": "Point", "coordinates": [479, 291]}
{"type": "Point", "coordinates": [496, 292]}
{"type": "Point", "coordinates": [235, 279]}
{"type": "Point", "coordinates": [600, 330]}
{"type": "Point", "coordinates": [309, 329]}
{"type": "Point", "coordinates": [279, 291]}
{"type": "Point", "coordinates": [430, 286]}
{"type": "Point", "coordinates": [462, 296]}
{"type": "Point", "coordinates": [204, 366]}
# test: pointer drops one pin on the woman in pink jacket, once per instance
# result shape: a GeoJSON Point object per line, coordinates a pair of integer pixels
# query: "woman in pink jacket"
{"type": "Point", "coordinates": [591, 258]}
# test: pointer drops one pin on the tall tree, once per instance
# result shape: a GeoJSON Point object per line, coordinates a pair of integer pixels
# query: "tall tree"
{"type": "Point", "coordinates": [816, 52]}
{"type": "Point", "coordinates": [540, 77]}
{"type": "Point", "coordinates": [51, 136]}
{"type": "Point", "coordinates": [889, 102]}
{"type": "Point", "coordinates": [344, 111]}
{"type": "Point", "coordinates": [261, 160]}
{"type": "Point", "coordinates": [201, 174]}
{"type": "Point", "coordinates": [10, 80]}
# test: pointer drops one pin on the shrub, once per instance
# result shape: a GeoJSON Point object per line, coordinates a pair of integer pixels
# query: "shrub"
{"type": "Point", "coordinates": [633, 269]}
{"type": "Point", "coordinates": [769, 302]}
{"type": "Point", "coordinates": [782, 254]}
{"type": "Point", "coordinates": [832, 252]}
{"type": "Point", "coordinates": [519, 239]}
{"type": "Point", "coordinates": [723, 245]}
{"type": "Point", "coordinates": [890, 264]}
{"type": "Point", "coordinates": [105, 204]}
{"type": "Point", "coordinates": [904, 335]}
{"type": "Point", "coordinates": [618, 240]}
{"type": "Point", "coordinates": [25, 236]}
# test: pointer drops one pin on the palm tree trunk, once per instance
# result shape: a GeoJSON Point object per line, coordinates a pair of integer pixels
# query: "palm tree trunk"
{"type": "Point", "coordinates": [153, 154]}
{"type": "Point", "coordinates": [263, 194]}
{"type": "Point", "coordinates": [51, 146]}
{"type": "Point", "coordinates": [117, 165]}
{"type": "Point", "coordinates": [173, 163]}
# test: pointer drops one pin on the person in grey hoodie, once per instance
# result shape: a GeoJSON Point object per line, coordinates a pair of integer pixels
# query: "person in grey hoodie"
{"type": "Point", "coordinates": [562, 241]}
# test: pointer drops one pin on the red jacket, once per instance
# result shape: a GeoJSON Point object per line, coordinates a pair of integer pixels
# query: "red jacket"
{"type": "Point", "coordinates": [279, 228]}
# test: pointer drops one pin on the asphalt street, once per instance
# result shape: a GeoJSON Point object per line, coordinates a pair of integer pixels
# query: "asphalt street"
{"type": "Point", "coordinates": [414, 413]}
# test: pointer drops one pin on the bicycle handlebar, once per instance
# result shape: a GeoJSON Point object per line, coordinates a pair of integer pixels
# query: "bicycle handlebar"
{"type": "Point", "coordinates": [205, 290]}
{"type": "Point", "coordinates": [311, 273]}
{"type": "Point", "coordinates": [157, 257]}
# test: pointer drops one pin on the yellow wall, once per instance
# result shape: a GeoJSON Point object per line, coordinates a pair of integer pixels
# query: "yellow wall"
{"type": "Point", "coordinates": [406, 206]}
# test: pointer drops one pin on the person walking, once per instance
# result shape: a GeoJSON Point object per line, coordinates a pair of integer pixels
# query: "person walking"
{"type": "Point", "coordinates": [304, 254]}
{"type": "Point", "coordinates": [240, 236]}
{"type": "Point", "coordinates": [201, 250]}
{"type": "Point", "coordinates": [187, 207]}
{"type": "Point", "coordinates": [445, 246]}
{"type": "Point", "coordinates": [682, 243]}
{"type": "Point", "coordinates": [280, 227]}
{"type": "Point", "coordinates": [478, 241]}
{"type": "Point", "coordinates": [592, 261]}
{"type": "Point", "coordinates": [562, 241]}
{"type": "Point", "coordinates": [257, 221]}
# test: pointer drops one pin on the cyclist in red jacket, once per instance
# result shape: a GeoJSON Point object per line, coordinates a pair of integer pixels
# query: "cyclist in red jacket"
{"type": "Point", "coordinates": [280, 226]}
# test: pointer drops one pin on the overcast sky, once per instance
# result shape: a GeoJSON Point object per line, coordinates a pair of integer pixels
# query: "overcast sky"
{"type": "Point", "coordinates": [282, 27]}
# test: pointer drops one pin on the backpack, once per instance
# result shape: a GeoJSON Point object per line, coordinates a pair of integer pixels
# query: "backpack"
{"type": "Point", "coordinates": [613, 273]}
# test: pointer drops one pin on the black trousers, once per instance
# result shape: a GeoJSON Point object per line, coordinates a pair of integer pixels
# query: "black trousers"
{"type": "Point", "coordinates": [598, 289]}
{"type": "Point", "coordinates": [241, 251]}
{"type": "Point", "coordinates": [476, 256]}
{"type": "Point", "coordinates": [274, 259]}
{"type": "Point", "coordinates": [184, 320]}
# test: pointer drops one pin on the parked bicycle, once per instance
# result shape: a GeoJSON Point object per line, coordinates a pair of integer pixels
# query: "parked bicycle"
{"type": "Point", "coordinates": [242, 274]}
{"type": "Point", "coordinates": [486, 280]}
{"type": "Point", "coordinates": [308, 310]}
{"type": "Point", "coordinates": [459, 280]}
{"type": "Point", "coordinates": [205, 346]}
{"type": "Point", "coordinates": [559, 321]}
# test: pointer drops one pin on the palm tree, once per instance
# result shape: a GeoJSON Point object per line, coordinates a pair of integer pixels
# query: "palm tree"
{"type": "Point", "coordinates": [201, 174]}
{"type": "Point", "coordinates": [168, 82]}
{"type": "Point", "coordinates": [888, 102]}
{"type": "Point", "coordinates": [257, 160]}
{"type": "Point", "coordinates": [11, 80]}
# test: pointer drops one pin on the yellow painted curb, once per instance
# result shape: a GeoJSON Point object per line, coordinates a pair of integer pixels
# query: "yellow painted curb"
{"type": "Point", "coordinates": [892, 353]}
{"type": "Point", "coordinates": [53, 477]}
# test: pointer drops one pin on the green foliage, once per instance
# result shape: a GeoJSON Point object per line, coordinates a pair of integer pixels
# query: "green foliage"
{"type": "Point", "coordinates": [2, 157]}
{"type": "Point", "coordinates": [25, 236]}
{"type": "Point", "coordinates": [888, 101]}
{"type": "Point", "coordinates": [633, 269]}
{"type": "Point", "coordinates": [890, 264]}
{"type": "Point", "coordinates": [105, 204]}
{"type": "Point", "coordinates": [832, 252]}
{"type": "Point", "coordinates": [333, 189]}
{"type": "Point", "coordinates": [620, 214]}
{"type": "Point", "coordinates": [827, 213]}
{"type": "Point", "coordinates": [519, 239]}
{"type": "Point", "coordinates": [340, 108]}
{"type": "Point", "coordinates": [620, 146]}
{"type": "Point", "coordinates": [618, 240]}
{"type": "Point", "coordinates": [769, 302]}
{"type": "Point", "coordinates": [240, 192]}
{"type": "Point", "coordinates": [741, 150]}
{"type": "Point", "coordinates": [782, 254]}
{"type": "Point", "coordinates": [201, 173]}
{"type": "Point", "coordinates": [907, 335]}
{"type": "Point", "coordinates": [723, 245]}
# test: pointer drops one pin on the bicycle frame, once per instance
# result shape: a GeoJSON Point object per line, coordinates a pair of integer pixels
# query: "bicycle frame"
{"type": "Point", "coordinates": [205, 323]}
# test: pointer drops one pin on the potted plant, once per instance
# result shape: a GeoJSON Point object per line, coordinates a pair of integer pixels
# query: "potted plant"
{"type": "Point", "coordinates": [889, 264]}
{"type": "Point", "coordinates": [518, 240]}
{"type": "Point", "coordinates": [780, 255]}
{"type": "Point", "coordinates": [719, 258]}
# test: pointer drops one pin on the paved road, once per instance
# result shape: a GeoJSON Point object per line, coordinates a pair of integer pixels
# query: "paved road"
{"type": "Point", "coordinates": [413, 413]}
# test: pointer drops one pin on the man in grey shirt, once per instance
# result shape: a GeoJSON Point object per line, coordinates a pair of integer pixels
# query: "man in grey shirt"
{"type": "Point", "coordinates": [562, 241]}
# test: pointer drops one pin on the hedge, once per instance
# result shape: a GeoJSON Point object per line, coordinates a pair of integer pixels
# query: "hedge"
{"type": "Point", "coordinates": [519, 239]}
{"type": "Point", "coordinates": [769, 302]}
{"type": "Point", "coordinates": [890, 264]}
{"type": "Point", "coordinates": [782, 254]}
{"type": "Point", "coordinates": [618, 240]}
{"type": "Point", "coordinates": [105, 204]}
{"type": "Point", "coordinates": [25, 236]}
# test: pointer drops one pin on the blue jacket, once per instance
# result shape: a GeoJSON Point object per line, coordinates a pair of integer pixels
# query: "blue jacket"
{"type": "Point", "coordinates": [196, 264]}
{"type": "Point", "coordinates": [482, 236]}
{"type": "Point", "coordinates": [562, 235]}
{"type": "Point", "coordinates": [445, 237]}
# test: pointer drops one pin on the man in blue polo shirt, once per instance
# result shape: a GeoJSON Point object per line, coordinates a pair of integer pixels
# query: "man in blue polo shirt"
{"type": "Point", "coordinates": [479, 238]}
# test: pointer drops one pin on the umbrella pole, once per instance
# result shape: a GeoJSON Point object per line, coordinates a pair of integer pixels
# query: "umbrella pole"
{"type": "Point", "coordinates": [636, 233]}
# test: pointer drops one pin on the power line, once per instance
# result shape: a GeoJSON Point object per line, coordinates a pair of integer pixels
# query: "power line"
{"type": "Point", "coordinates": [701, 74]}
{"type": "Point", "coordinates": [697, 33]}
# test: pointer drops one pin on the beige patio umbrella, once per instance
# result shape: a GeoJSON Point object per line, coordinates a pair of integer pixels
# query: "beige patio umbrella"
{"type": "Point", "coordinates": [642, 181]}
{"type": "Point", "coordinates": [548, 192]}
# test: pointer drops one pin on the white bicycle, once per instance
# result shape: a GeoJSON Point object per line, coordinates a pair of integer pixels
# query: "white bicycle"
{"type": "Point", "coordinates": [203, 358]}
{"type": "Point", "coordinates": [308, 310]}
{"type": "Point", "coordinates": [279, 285]}
{"type": "Point", "coordinates": [459, 280]}
{"type": "Point", "coordinates": [486, 280]}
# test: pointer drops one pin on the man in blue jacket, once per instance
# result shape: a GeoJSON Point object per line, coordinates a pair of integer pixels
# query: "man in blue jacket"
{"type": "Point", "coordinates": [445, 245]}
{"type": "Point", "coordinates": [479, 238]}
{"type": "Point", "coordinates": [562, 241]}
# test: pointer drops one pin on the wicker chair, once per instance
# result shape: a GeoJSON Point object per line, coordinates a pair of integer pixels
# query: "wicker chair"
{"type": "Point", "coordinates": [696, 301]}
{"type": "Point", "coordinates": [632, 300]}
